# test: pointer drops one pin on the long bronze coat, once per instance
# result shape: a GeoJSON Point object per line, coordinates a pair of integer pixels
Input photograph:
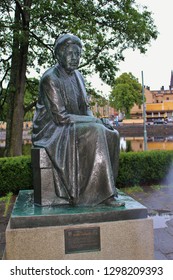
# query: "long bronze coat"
{"type": "Point", "coordinates": [84, 153]}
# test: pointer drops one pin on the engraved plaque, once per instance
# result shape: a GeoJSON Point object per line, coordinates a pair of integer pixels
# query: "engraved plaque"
{"type": "Point", "coordinates": [82, 240]}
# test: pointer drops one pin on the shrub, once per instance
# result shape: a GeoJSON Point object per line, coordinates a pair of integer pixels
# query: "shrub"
{"type": "Point", "coordinates": [15, 174]}
{"type": "Point", "coordinates": [135, 168]}
{"type": "Point", "coordinates": [143, 168]}
{"type": "Point", "coordinates": [26, 149]}
{"type": "Point", "coordinates": [6, 199]}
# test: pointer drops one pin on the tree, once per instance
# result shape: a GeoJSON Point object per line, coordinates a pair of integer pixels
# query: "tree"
{"type": "Point", "coordinates": [30, 99]}
{"type": "Point", "coordinates": [96, 98]}
{"type": "Point", "coordinates": [126, 92]}
{"type": "Point", "coordinates": [30, 27]}
{"type": "Point", "coordinates": [17, 78]}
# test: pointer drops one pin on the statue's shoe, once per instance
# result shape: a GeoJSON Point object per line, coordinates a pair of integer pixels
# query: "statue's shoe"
{"type": "Point", "coordinates": [113, 202]}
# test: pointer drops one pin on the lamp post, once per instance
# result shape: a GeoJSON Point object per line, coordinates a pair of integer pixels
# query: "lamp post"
{"type": "Point", "coordinates": [144, 114]}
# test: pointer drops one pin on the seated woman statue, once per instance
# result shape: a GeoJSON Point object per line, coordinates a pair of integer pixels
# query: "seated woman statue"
{"type": "Point", "coordinates": [84, 153]}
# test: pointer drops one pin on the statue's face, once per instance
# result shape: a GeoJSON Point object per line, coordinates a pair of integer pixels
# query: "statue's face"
{"type": "Point", "coordinates": [70, 58]}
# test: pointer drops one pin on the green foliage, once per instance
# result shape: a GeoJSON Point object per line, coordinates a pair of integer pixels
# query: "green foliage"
{"type": "Point", "coordinates": [156, 187]}
{"type": "Point", "coordinates": [27, 36]}
{"type": "Point", "coordinates": [3, 104]}
{"type": "Point", "coordinates": [6, 199]}
{"type": "Point", "coordinates": [31, 96]}
{"type": "Point", "coordinates": [107, 28]}
{"type": "Point", "coordinates": [133, 189]}
{"type": "Point", "coordinates": [143, 168]}
{"type": "Point", "coordinates": [26, 149]}
{"type": "Point", "coordinates": [135, 169]}
{"type": "Point", "coordinates": [126, 92]}
{"type": "Point", "coordinates": [30, 99]}
{"type": "Point", "coordinates": [98, 99]}
{"type": "Point", "coordinates": [15, 174]}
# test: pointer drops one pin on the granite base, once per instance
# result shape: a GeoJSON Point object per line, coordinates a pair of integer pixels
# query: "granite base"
{"type": "Point", "coordinates": [91, 233]}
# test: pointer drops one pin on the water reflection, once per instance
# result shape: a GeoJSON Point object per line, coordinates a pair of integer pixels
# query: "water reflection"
{"type": "Point", "coordinates": [136, 144]}
{"type": "Point", "coordinates": [127, 144]}
{"type": "Point", "coordinates": [160, 221]}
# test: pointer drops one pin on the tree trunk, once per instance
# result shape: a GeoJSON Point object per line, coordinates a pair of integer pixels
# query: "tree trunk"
{"type": "Point", "coordinates": [17, 80]}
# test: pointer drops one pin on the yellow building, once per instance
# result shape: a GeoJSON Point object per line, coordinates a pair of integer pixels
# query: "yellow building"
{"type": "Point", "coordinates": [158, 105]}
{"type": "Point", "coordinates": [137, 110]}
{"type": "Point", "coordinates": [162, 110]}
{"type": "Point", "coordinates": [137, 144]}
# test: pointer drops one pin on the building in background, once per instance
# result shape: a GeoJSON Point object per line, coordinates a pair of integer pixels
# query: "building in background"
{"type": "Point", "coordinates": [159, 104]}
{"type": "Point", "coordinates": [101, 108]}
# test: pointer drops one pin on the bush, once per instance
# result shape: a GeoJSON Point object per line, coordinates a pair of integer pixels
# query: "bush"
{"type": "Point", "coordinates": [143, 168]}
{"type": "Point", "coordinates": [26, 149]}
{"type": "Point", "coordinates": [135, 168]}
{"type": "Point", "coordinates": [15, 174]}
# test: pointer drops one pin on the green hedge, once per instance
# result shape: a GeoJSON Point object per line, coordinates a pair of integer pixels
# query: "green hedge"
{"type": "Point", "coordinates": [135, 168]}
{"type": "Point", "coordinates": [143, 168]}
{"type": "Point", "coordinates": [15, 174]}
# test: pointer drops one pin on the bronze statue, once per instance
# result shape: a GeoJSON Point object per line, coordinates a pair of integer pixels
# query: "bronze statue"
{"type": "Point", "coordinates": [84, 153]}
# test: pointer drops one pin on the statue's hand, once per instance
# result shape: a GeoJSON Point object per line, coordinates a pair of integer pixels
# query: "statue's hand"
{"type": "Point", "coordinates": [107, 123]}
{"type": "Point", "coordinates": [98, 121]}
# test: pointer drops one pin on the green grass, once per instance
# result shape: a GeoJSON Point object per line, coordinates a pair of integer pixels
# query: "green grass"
{"type": "Point", "coordinates": [133, 189]}
{"type": "Point", "coordinates": [157, 187]}
{"type": "Point", "coordinates": [7, 200]}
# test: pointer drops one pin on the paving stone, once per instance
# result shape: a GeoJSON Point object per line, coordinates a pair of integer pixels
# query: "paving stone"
{"type": "Point", "coordinates": [159, 256]}
{"type": "Point", "coordinates": [170, 256]}
{"type": "Point", "coordinates": [2, 237]}
{"type": "Point", "coordinates": [163, 241]}
{"type": "Point", "coordinates": [170, 223]}
{"type": "Point", "coordinates": [2, 248]}
{"type": "Point", "coordinates": [170, 230]}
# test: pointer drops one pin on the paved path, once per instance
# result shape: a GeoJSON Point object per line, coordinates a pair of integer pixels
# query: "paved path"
{"type": "Point", "coordinates": [159, 203]}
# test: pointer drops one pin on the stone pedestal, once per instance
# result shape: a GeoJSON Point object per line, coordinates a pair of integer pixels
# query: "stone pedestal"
{"type": "Point", "coordinates": [70, 233]}
{"type": "Point", "coordinates": [44, 189]}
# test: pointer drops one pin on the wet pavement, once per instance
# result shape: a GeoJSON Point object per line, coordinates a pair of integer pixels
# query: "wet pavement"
{"type": "Point", "coordinates": [159, 203]}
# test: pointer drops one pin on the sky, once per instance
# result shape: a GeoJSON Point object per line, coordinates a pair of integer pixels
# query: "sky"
{"type": "Point", "coordinates": [157, 62]}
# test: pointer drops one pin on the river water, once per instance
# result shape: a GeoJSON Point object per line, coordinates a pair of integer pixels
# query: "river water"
{"type": "Point", "coordinates": [136, 144]}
